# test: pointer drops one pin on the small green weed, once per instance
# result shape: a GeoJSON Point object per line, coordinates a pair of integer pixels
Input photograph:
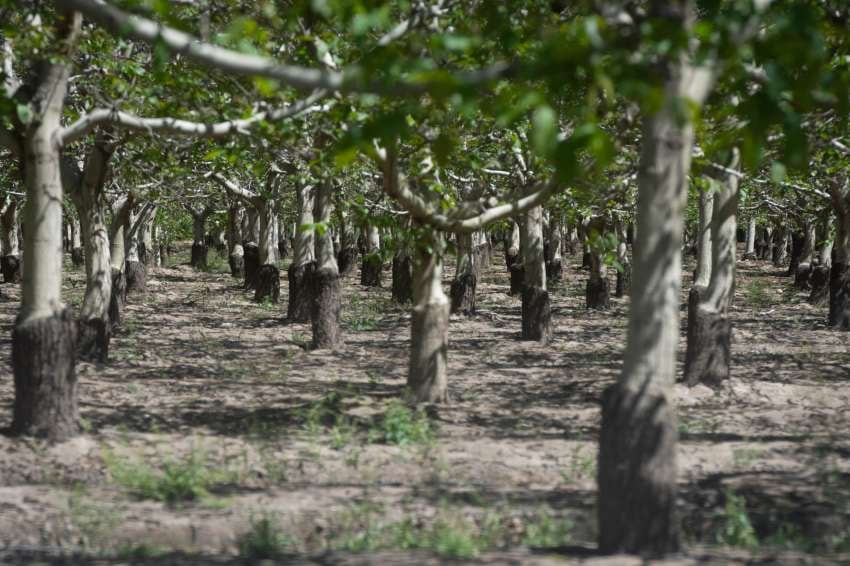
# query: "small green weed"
{"type": "Point", "coordinates": [737, 528]}
{"type": "Point", "coordinates": [546, 531]}
{"type": "Point", "coordinates": [264, 541]}
{"type": "Point", "coordinates": [758, 294]}
{"type": "Point", "coordinates": [400, 425]}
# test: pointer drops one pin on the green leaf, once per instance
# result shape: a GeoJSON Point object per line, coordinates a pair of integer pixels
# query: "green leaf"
{"type": "Point", "coordinates": [24, 114]}
{"type": "Point", "coordinates": [544, 132]}
{"type": "Point", "coordinates": [777, 171]}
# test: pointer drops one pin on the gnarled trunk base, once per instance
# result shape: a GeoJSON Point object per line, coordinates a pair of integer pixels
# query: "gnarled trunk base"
{"type": "Point", "coordinates": [300, 301]}
{"type": "Point", "coordinates": [554, 271]}
{"type": "Point", "coordinates": [536, 315]}
{"type": "Point", "coordinates": [517, 271]}
{"type": "Point", "coordinates": [198, 259]}
{"type": "Point", "coordinates": [268, 284]}
{"type": "Point", "coordinates": [820, 285]}
{"type": "Point", "coordinates": [709, 349]}
{"type": "Point", "coordinates": [137, 277]}
{"type": "Point", "coordinates": [326, 292]}
{"type": "Point", "coordinates": [402, 290]}
{"type": "Point", "coordinates": [462, 294]}
{"type": "Point", "coordinates": [282, 248]}
{"type": "Point", "coordinates": [118, 298]}
{"type": "Point", "coordinates": [77, 257]}
{"type": "Point", "coordinates": [802, 277]}
{"type": "Point", "coordinates": [370, 270]}
{"type": "Point", "coordinates": [93, 340]}
{"type": "Point", "coordinates": [252, 265]}
{"type": "Point", "coordinates": [44, 352]}
{"type": "Point", "coordinates": [624, 281]}
{"type": "Point", "coordinates": [237, 265]}
{"type": "Point", "coordinates": [10, 265]}
{"type": "Point", "coordinates": [839, 296]}
{"type": "Point", "coordinates": [598, 293]}
{"type": "Point", "coordinates": [637, 473]}
{"type": "Point", "coordinates": [346, 260]}
{"type": "Point", "coordinates": [429, 338]}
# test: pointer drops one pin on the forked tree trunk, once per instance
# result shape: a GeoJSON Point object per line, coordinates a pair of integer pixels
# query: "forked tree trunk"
{"type": "Point", "coordinates": [702, 274]}
{"type": "Point", "coordinates": [803, 273]}
{"type": "Point", "coordinates": [326, 292]}
{"type": "Point", "coordinates": [750, 252]}
{"type": "Point", "coordinates": [462, 291]}
{"type": "Point", "coordinates": [483, 250]}
{"type": "Point", "coordinates": [429, 331]}
{"type": "Point", "coordinates": [536, 311]}
{"type": "Point", "coordinates": [709, 346]}
{"type": "Point", "coordinates": [637, 447]}
{"type": "Point", "coordinates": [372, 265]}
{"type": "Point", "coordinates": [10, 261]}
{"type": "Point", "coordinates": [839, 277]}
{"type": "Point", "coordinates": [597, 291]}
{"type": "Point", "coordinates": [118, 297]}
{"type": "Point", "coordinates": [514, 261]}
{"type": "Point", "coordinates": [303, 264]}
{"type": "Point", "coordinates": [134, 269]}
{"type": "Point", "coordinates": [235, 252]}
{"type": "Point", "coordinates": [44, 338]}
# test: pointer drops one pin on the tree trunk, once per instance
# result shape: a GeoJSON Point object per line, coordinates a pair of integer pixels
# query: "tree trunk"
{"type": "Point", "coordinates": [429, 331]}
{"type": "Point", "coordinates": [536, 316]}
{"type": "Point", "coordinates": [797, 242]}
{"type": "Point", "coordinates": [597, 292]}
{"type": "Point", "coordinates": [268, 276]}
{"type": "Point", "coordinates": [839, 276]}
{"type": "Point", "coordinates": [372, 265]}
{"type": "Point", "coordinates": [147, 245]}
{"type": "Point", "coordinates": [10, 261]}
{"type": "Point", "coordinates": [118, 297]}
{"type": "Point", "coordinates": [462, 291]}
{"type": "Point", "coordinates": [750, 252]}
{"type": "Point", "coordinates": [326, 292]}
{"type": "Point", "coordinates": [637, 446]}
{"type": "Point", "coordinates": [251, 263]}
{"type": "Point", "coordinates": [554, 267]}
{"type": "Point", "coordinates": [709, 346]}
{"type": "Point", "coordinates": [45, 332]}
{"type": "Point", "coordinates": [803, 273]}
{"type": "Point", "coordinates": [780, 245]}
{"type": "Point", "coordinates": [513, 260]}
{"type": "Point", "coordinates": [624, 270]}
{"type": "Point", "coordinates": [135, 271]}
{"type": "Point", "coordinates": [235, 252]}
{"type": "Point", "coordinates": [198, 259]}
{"type": "Point", "coordinates": [300, 271]}
{"type": "Point", "coordinates": [820, 273]}
{"type": "Point", "coordinates": [76, 242]}
{"type": "Point", "coordinates": [702, 275]}
{"type": "Point", "coordinates": [402, 290]}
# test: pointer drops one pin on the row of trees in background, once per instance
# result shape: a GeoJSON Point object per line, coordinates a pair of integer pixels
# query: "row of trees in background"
{"type": "Point", "coordinates": [545, 125]}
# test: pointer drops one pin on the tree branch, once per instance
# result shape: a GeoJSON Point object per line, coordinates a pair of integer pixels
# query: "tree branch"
{"type": "Point", "coordinates": [120, 119]}
{"type": "Point", "coordinates": [348, 80]}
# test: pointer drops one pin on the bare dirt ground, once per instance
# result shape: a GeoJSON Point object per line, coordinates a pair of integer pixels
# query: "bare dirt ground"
{"type": "Point", "coordinates": [265, 446]}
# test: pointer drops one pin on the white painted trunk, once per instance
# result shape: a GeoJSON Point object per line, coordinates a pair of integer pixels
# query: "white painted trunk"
{"type": "Point", "coordinates": [826, 247]}
{"type": "Point", "coordinates": [303, 252]}
{"type": "Point", "coordinates": [533, 259]}
{"type": "Point", "coordinates": [723, 235]}
{"type": "Point", "coordinates": [702, 276]}
{"type": "Point", "coordinates": [465, 255]}
{"type": "Point", "coordinates": [809, 243]}
{"type": "Point", "coordinates": [325, 256]}
{"type": "Point", "coordinates": [235, 217]}
{"type": "Point", "coordinates": [514, 241]}
{"type": "Point", "coordinates": [751, 237]}
{"type": "Point", "coordinates": [9, 229]}
{"type": "Point", "coordinates": [76, 238]}
{"type": "Point", "coordinates": [131, 242]}
{"type": "Point", "coordinates": [268, 243]}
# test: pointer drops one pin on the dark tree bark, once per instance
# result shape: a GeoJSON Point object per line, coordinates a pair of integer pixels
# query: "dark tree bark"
{"type": "Point", "coordinates": [797, 239]}
{"type": "Point", "coordinates": [597, 293]}
{"type": "Point", "coordinates": [536, 315]}
{"type": "Point", "coordinates": [137, 277]}
{"type": "Point", "coordinates": [820, 285]}
{"type": "Point", "coordinates": [43, 357]}
{"type": "Point", "coordinates": [199, 255]}
{"type": "Point", "coordinates": [624, 280]}
{"type": "Point", "coordinates": [370, 270]}
{"type": "Point", "coordinates": [709, 352]}
{"type": "Point", "coordinates": [251, 262]}
{"type": "Point", "coordinates": [402, 290]}
{"type": "Point", "coordinates": [637, 455]}
{"type": "Point", "coordinates": [462, 294]}
{"type": "Point", "coordinates": [93, 340]}
{"type": "Point", "coordinates": [77, 257]}
{"type": "Point", "coordinates": [300, 301]}
{"type": "Point", "coordinates": [326, 292]}
{"type": "Point", "coordinates": [839, 296]}
{"type": "Point", "coordinates": [803, 276]}
{"type": "Point", "coordinates": [117, 299]}
{"type": "Point", "coordinates": [268, 284]}
{"type": "Point", "coordinates": [282, 247]}
{"type": "Point", "coordinates": [347, 259]}
{"type": "Point", "coordinates": [10, 265]}
{"type": "Point", "coordinates": [517, 272]}
{"type": "Point", "coordinates": [554, 270]}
